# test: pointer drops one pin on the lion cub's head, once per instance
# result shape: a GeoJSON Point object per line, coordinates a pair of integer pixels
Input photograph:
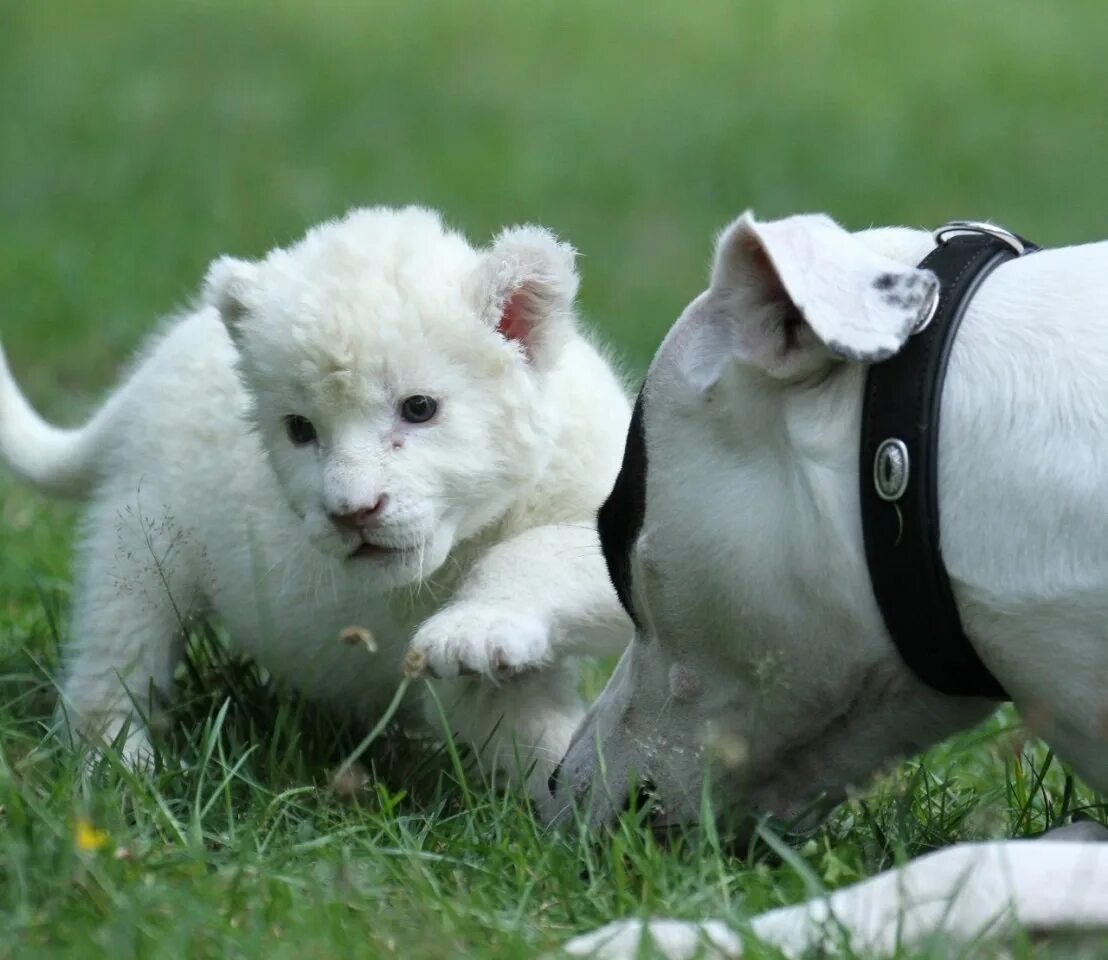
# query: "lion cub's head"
{"type": "Point", "coordinates": [398, 377]}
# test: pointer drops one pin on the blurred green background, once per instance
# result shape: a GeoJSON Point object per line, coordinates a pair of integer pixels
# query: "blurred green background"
{"type": "Point", "coordinates": [139, 140]}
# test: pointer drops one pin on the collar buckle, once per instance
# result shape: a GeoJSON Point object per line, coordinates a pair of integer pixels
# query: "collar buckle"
{"type": "Point", "coordinates": [956, 227]}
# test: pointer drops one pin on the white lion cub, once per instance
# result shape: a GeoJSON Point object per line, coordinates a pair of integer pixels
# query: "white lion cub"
{"type": "Point", "coordinates": [378, 426]}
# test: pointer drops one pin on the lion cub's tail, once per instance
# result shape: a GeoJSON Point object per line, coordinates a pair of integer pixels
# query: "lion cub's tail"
{"type": "Point", "coordinates": [52, 459]}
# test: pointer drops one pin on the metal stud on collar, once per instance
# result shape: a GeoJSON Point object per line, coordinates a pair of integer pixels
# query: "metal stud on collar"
{"type": "Point", "coordinates": [956, 227]}
{"type": "Point", "coordinates": [890, 470]}
{"type": "Point", "coordinates": [929, 312]}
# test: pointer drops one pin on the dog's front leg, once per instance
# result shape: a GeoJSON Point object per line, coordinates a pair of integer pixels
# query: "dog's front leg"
{"type": "Point", "coordinates": [526, 602]}
{"type": "Point", "coordinates": [956, 896]}
{"type": "Point", "coordinates": [960, 893]}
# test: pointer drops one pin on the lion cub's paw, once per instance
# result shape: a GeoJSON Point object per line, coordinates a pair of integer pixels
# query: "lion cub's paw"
{"type": "Point", "coordinates": [122, 738]}
{"type": "Point", "coordinates": [476, 638]}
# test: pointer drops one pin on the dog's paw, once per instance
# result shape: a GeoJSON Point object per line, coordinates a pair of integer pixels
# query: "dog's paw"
{"type": "Point", "coordinates": [672, 939]}
{"type": "Point", "coordinates": [475, 638]}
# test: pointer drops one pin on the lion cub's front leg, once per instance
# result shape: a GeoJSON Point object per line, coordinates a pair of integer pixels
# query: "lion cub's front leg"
{"type": "Point", "coordinates": [527, 601]}
{"type": "Point", "coordinates": [525, 605]}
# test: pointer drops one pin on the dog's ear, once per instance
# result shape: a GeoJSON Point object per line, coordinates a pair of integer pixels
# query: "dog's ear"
{"type": "Point", "coordinates": [800, 292]}
{"type": "Point", "coordinates": [229, 287]}
{"type": "Point", "coordinates": [525, 288]}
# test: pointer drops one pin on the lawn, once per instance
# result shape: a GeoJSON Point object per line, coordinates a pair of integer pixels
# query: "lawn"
{"type": "Point", "coordinates": [140, 140]}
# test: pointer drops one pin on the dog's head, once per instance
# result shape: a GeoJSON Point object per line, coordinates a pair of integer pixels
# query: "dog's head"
{"type": "Point", "coordinates": [761, 671]}
{"type": "Point", "coordinates": [397, 377]}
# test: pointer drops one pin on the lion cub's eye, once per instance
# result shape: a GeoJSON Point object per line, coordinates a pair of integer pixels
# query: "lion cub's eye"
{"type": "Point", "coordinates": [300, 430]}
{"type": "Point", "coordinates": [418, 409]}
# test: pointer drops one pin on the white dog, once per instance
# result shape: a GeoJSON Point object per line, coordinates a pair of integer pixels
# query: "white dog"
{"type": "Point", "coordinates": [762, 669]}
{"type": "Point", "coordinates": [379, 426]}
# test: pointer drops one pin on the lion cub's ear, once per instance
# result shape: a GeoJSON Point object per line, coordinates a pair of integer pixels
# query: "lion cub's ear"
{"type": "Point", "coordinates": [229, 287]}
{"type": "Point", "coordinates": [525, 288]}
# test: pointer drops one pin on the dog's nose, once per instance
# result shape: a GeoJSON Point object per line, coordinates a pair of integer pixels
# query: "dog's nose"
{"type": "Point", "coordinates": [359, 517]}
{"type": "Point", "coordinates": [552, 780]}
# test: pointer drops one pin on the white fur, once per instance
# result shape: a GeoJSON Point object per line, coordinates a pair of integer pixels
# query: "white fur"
{"type": "Point", "coordinates": [484, 556]}
{"type": "Point", "coordinates": [763, 668]}
{"type": "Point", "coordinates": [959, 895]}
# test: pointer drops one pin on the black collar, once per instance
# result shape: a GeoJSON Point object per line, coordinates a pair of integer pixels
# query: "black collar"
{"type": "Point", "coordinates": [900, 476]}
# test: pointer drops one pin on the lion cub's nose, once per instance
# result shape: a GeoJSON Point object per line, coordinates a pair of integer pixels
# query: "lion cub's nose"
{"type": "Point", "coordinates": [359, 517]}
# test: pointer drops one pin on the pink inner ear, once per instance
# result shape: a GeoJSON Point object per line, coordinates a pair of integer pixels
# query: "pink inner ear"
{"type": "Point", "coordinates": [512, 325]}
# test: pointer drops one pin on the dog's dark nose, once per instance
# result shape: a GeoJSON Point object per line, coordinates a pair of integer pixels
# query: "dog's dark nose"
{"type": "Point", "coordinates": [552, 780]}
{"type": "Point", "coordinates": [359, 517]}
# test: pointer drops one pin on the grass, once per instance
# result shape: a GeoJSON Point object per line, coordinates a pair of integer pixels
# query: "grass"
{"type": "Point", "coordinates": [138, 141]}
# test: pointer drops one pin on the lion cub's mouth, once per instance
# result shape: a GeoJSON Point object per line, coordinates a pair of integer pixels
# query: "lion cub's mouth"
{"type": "Point", "coordinates": [377, 550]}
